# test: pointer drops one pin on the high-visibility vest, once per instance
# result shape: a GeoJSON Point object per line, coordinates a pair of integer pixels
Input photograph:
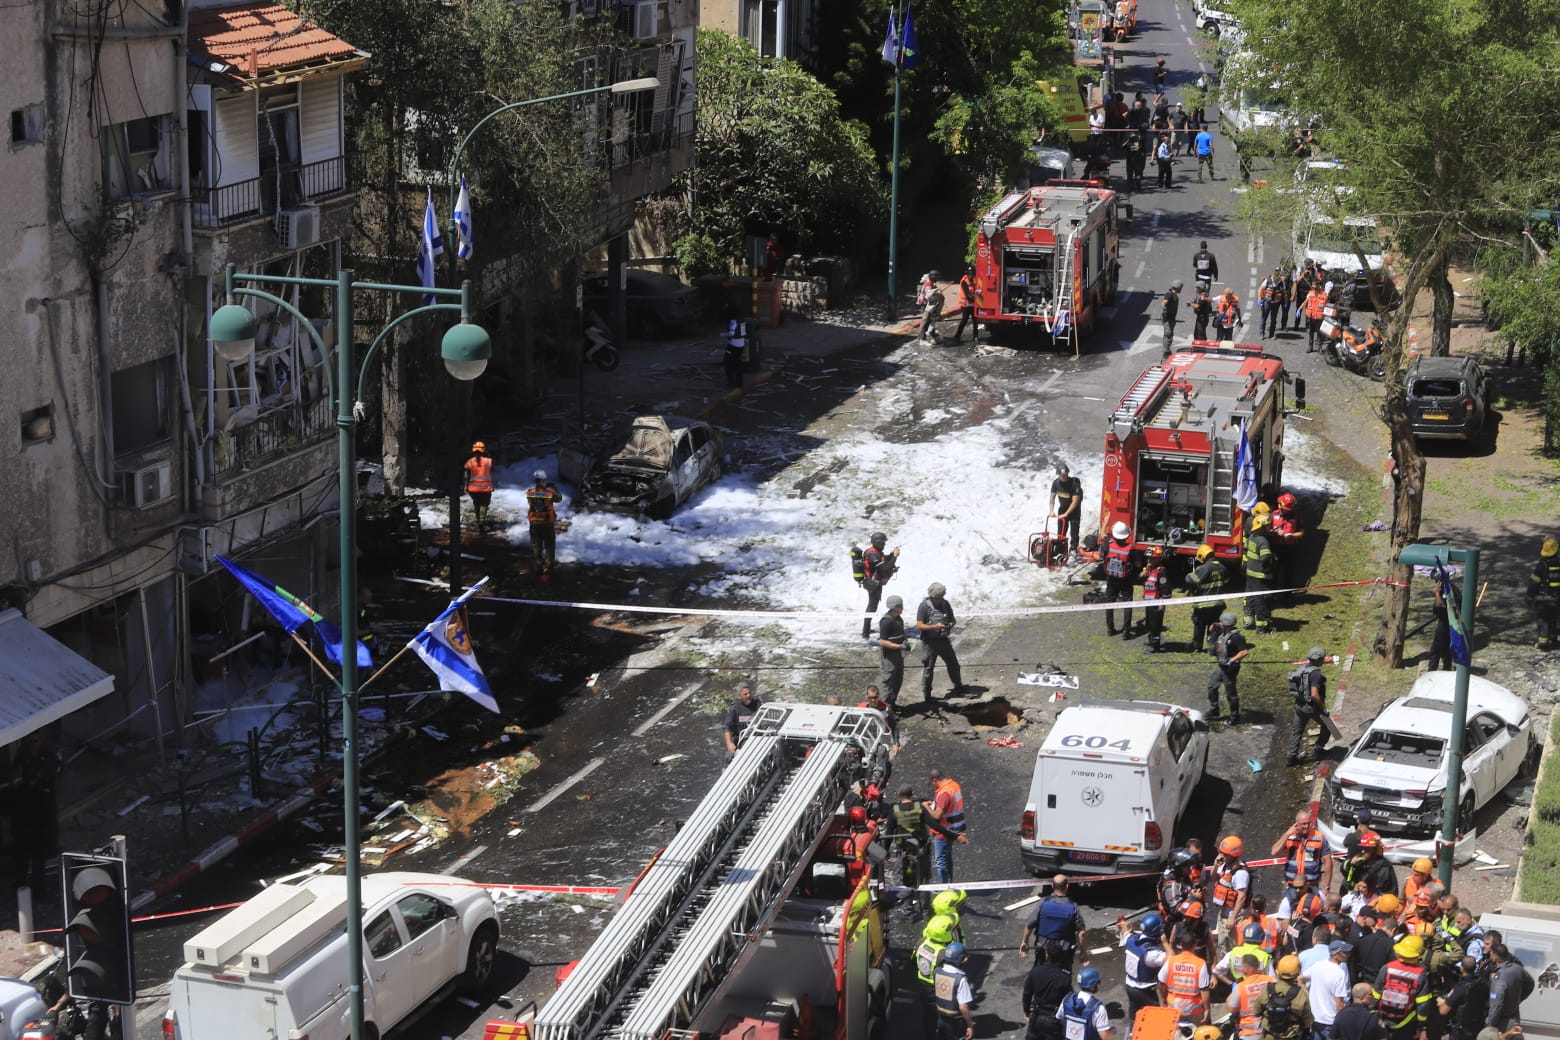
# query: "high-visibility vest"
{"type": "Point", "coordinates": [954, 818]}
{"type": "Point", "coordinates": [479, 474]}
{"type": "Point", "coordinates": [1254, 556]}
{"type": "Point", "coordinates": [1118, 559]}
{"type": "Point", "coordinates": [1399, 995]}
{"type": "Point", "coordinates": [1139, 974]}
{"type": "Point", "coordinates": [1156, 584]}
{"type": "Point", "coordinates": [927, 956]}
{"type": "Point", "coordinates": [1237, 952]}
{"type": "Point", "coordinates": [1312, 849]}
{"type": "Point", "coordinates": [1224, 890]}
{"type": "Point", "coordinates": [1315, 300]}
{"type": "Point", "coordinates": [539, 505]}
{"type": "Point", "coordinates": [1247, 990]}
{"type": "Point", "coordinates": [1229, 310]}
{"type": "Point", "coordinates": [1078, 1016]}
{"type": "Point", "coordinates": [1184, 973]}
{"type": "Point", "coordinates": [1308, 906]}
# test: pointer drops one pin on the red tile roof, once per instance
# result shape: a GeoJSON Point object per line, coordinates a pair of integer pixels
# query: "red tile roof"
{"type": "Point", "coordinates": [262, 40]}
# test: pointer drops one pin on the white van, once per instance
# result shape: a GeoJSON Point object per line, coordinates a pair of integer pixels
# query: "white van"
{"type": "Point", "coordinates": [276, 967]}
{"type": "Point", "coordinates": [1110, 782]}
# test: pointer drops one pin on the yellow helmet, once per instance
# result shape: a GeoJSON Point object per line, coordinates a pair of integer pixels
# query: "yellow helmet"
{"type": "Point", "coordinates": [1422, 865]}
{"type": "Point", "coordinates": [948, 902]}
{"type": "Point", "coordinates": [1203, 552]}
{"type": "Point", "coordinates": [479, 446]}
{"type": "Point", "coordinates": [939, 929]}
{"type": "Point", "coordinates": [1389, 904]}
{"type": "Point", "coordinates": [1288, 967]}
{"type": "Point", "coordinates": [1410, 948]}
{"type": "Point", "coordinates": [1207, 1033]}
{"type": "Point", "coordinates": [1259, 520]}
{"type": "Point", "coordinates": [1551, 547]}
{"type": "Point", "coordinates": [1261, 509]}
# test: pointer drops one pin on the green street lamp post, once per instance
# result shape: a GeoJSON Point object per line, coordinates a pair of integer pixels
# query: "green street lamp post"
{"type": "Point", "coordinates": [456, 400]}
{"type": "Point", "coordinates": [1420, 555]}
{"type": "Point", "coordinates": [465, 349]}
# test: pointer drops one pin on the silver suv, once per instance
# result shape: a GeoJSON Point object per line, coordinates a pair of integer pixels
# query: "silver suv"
{"type": "Point", "coordinates": [1446, 398]}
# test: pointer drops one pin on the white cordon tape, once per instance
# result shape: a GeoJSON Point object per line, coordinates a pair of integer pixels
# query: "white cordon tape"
{"type": "Point", "coordinates": [1073, 608]}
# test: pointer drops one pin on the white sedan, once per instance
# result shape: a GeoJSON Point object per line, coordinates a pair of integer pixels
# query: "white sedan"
{"type": "Point", "coordinates": [1397, 769]}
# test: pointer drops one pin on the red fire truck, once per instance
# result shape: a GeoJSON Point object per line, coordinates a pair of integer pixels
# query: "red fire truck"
{"type": "Point", "coordinates": [1172, 448]}
{"type": "Point", "coordinates": [1046, 260]}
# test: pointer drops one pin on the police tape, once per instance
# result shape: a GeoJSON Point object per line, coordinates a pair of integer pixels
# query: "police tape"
{"type": "Point", "coordinates": [1029, 611]}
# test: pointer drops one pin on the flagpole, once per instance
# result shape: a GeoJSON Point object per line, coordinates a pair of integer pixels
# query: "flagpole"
{"type": "Point", "coordinates": [893, 192]}
{"type": "Point", "coordinates": [328, 673]}
{"type": "Point", "coordinates": [384, 667]}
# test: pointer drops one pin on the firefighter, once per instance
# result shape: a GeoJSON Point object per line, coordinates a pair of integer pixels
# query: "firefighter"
{"type": "Point", "coordinates": [479, 481]}
{"type": "Point", "coordinates": [1285, 533]}
{"type": "Point", "coordinates": [1156, 588]}
{"type": "Point", "coordinates": [969, 295]}
{"type": "Point", "coordinates": [877, 567]}
{"type": "Point", "coordinates": [1274, 294]}
{"type": "Point", "coordinates": [1122, 564]}
{"type": "Point", "coordinates": [1229, 649]}
{"type": "Point", "coordinates": [1169, 308]}
{"type": "Point", "coordinates": [1254, 981]}
{"type": "Point", "coordinates": [1544, 590]}
{"type": "Point", "coordinates": [1402, 990]}
{"type": "Point", "coordinates": [1207, 577]}
{"type": "Point", "coordinates": [540, 513]}
{"type": "Point", "coordinates": [1229, 315]}
{"type": "Point", "coordinates": [1261, 570]}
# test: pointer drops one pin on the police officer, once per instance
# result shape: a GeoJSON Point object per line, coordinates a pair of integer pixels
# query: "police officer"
{"type": "Point", "coordinates": [1055, 920]}
{"type": "Point", "coordinates": [1204, 266]}
{"type": "Point", "coordinates": [892, 644]}
{"type": "Point", "coordinates": [1229, 650]}
{"type": "Point", "coordinates": [1261, 569]}
{"type": "Point", "coordinates": [1169, 309]}
{"type": "Point", "coordinates": [1202, 313]}
{"type": "Point", "coordinates": [877, 567]}
{"type": "Point", "coordinates": [1145, 955]}
{"type": "Point", "coordinates": [735, 358]}
{"type": "Point", "coordinates": [1207, 577]}
{"type": "Point", "coordinates": [953, 996]}
{"type": "Point", "coordinates": [541, 514]}
{"type": "Point", "coordinates": [1084, 1013]}
{"type": "Point", "coordinates": [934, 620]}
{"type": "Point", "coordinates": [1045, 987]}
{"type": "Point", "coordinates": [1310, 704]}
{"type": "Point", "coordinates": [1122, 564]}
{"type": "Point", "coordinates": [1544, 590]}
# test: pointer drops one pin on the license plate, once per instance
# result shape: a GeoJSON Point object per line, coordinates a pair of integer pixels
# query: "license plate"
{"type": "Point", "coordinates": [1076, 856]}
{"type": "Point", "coordinates": [1436, 415]}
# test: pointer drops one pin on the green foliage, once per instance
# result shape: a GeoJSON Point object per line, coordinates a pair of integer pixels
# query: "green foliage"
{"type": "Point", "coordinates": [698, 254]}
{"type": "Point", "coordinates": [1521, 289]}
{"type": "Point", "coordinates": [774, 151]}
{"type": "Point", "coordinates": [992, 132]}
{"type": "Point", "coordinates": [1541, 858]}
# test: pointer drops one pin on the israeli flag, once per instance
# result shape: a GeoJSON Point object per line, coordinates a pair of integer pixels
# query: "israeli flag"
{"type": "Point", "coordinates": [432, 245]}
{"type": "Point", "coordinates": [463, 222]}
{"type": "Point", "coordinates": [891, 41]}
{"type": "Point", "coordinates": [445, 647]}
{"type": "Point", "coordinates": [1245, 475]}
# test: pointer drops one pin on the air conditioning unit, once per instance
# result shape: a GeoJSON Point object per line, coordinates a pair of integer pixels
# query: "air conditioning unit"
{"type": "Point", "coordinates": [147, 485]}
{"type": "Point", "coordinates": [296, 228]}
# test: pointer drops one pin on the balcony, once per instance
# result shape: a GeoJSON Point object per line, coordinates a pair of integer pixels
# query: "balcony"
{"type": "Point", "coordinates": [262, 196]}
{"type": "Point", "coordinates": [274, 434]}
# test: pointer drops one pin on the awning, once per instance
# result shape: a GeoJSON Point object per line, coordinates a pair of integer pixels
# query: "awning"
{"type": "Point", "coordinates": [41, 679]}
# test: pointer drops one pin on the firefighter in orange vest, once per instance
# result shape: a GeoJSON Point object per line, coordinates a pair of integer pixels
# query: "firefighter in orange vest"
{"type": "Point", "coordinates": [1315, 300]}
{"type": "Point", "coordinates": [1184, 983]}
{"type": "Point", "coordinates": [969, 295]}
{"type": "Point", "coordinates": [479, 481]}
{"type": "Point", "coordinates": [543, 518]}
{"type": "Point", "coordinates": [1252, 982]}
{"type": "Point", "coordinates": [1156, 588]}
{"type": "Point", "coordinates": [1122, 563]}
{"type": "Point", "coordinates": [1402, 990]}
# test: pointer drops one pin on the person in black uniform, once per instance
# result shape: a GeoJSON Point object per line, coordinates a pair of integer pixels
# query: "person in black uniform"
{"type": "Point", "coordinates": [1202, 314]}
{"type": "Point", "coordinates": [739, 715]}
{"type": "Point", "coordinates": [877, 567]}
{"type": "Point", "coordinates": [1067, 495]}
{"type": "Point", "coordinates": [1169, 308]}
{"type": "Point", "coordinates": [1207, 577]}
{"type": "Point", "coordinates": [892, 645]}
{"type": "Point", "coordinates": [1229, 649]}
{"type": "Point", "coordinates": [1465, 1007]}
{"type": "Point", "coordinates": [1045, 987]}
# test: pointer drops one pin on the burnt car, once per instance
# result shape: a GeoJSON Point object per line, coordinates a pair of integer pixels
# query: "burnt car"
{"type": "Point", "coordinates": [655, 464]}
{"type": "Point", "coordinates": [654, 304]}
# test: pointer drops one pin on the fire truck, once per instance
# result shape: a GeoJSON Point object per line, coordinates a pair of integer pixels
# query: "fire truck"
{"type": "Point", "coordinates": [1046, 261]}
{"type": "Point", "coordinates": [1172, 447]}
{"type": "Point", "coordinates": [761, 917]}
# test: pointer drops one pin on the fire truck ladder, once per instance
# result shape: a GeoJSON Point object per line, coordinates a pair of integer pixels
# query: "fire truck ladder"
{"type": "Point", "coordinates": [1131, 414]}
{"type": "Point", "coordinates": [707, 900]}
{"type": "Point", "coordinates": [1064, 292]}
{"type": "Point", "coordinates": [1221, 492]}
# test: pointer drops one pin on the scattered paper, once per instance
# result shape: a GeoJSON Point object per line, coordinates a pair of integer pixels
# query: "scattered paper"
{"type": "Point", "coordinates": [591, 679]}
{"type": "Point", "coordinates": [1058, 696]}
{"type": "Point", "coordinates": [578, 908]}
{"type": "Point", "coordinates": [1098, 950]}
{"type": "Point", "coordinates": [1484, 857]}
{"type": "Point", "coordinates": [512, 832]}
{"type": "Point", "coordinates": [1492, 866]}
{"type": "Point", "coordinates": [669, 758]}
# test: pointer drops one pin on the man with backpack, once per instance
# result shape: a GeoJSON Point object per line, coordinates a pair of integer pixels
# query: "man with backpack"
{"type": "Point", "coordinates": [1229, 649]}
{"type": "Point", "coordinates": [1283, 1007]}
{"type": "Point", "coordinates": [1055, 923]}
{"type": "Point", "coordinates": [1308, 687]}
{"type": "Point", "coordinates": [877, 567]}
{"type": "Point", "coordinates": [1083, 1013]}
{"type": "Point", "coordinates": [1402, 990]}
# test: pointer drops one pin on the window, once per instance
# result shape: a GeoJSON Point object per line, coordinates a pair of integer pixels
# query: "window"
{"type": "Point", "coordinates": [140, 404]}
{"type": "Point", "coordinates": [1180, 736]}
{"type": "Point", "coordinates": [135, 158]}
{"type": "Point", "coordinates": [26, 125]}
{"type": "Point", "coordinates": [281, 155]}
{"type": "Point", "coordinates": [38, 425]}
{"type": "Point", "coordinates": [421, 912]}
{"type": "Point", "coordinates": [638, 18]}
{"type": "Point", "coordinates": [381, 937]}
{"type": "Point", "coordinates": [197, 145]}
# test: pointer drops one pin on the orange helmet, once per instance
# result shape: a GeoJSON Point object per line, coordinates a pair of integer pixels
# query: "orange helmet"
{"type": "Point", "coordinates": [1232, 846]}
{"type": "Point", "coordinates": [1389, 904]}
{"type": "Point", "coordinates": [1288, 967]}
{"type": "Point", "coordinates": [1193, 910]}
{"type": "Point", "coordinates": [479, 446]}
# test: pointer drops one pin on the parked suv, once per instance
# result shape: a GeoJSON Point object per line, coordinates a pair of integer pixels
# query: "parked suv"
{"type": "Point", "coordinates": [1446, 397]}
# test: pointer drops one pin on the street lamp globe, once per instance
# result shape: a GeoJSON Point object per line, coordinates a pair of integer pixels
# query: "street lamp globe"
{"type": "Point", "coordinates": [466, 350]}
{"type": "Point", "coordinates": [233, 332]}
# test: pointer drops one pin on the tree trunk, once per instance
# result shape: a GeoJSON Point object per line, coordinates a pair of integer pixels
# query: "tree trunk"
{"type": "Point", "coordinates": [1441, 313]}
{"type": "Point", "coordinates": [392, 412]}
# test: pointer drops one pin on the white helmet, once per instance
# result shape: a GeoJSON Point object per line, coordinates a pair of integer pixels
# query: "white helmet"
{"type": "Point", "coordinates": [1121, 531]}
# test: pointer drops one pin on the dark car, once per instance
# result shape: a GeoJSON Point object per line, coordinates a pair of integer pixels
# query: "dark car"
{"type": "Point", "coordinates": [654, 304]}
{"type": "Point", "coordinates": [654, 465]}
{"type": "Point", "coordinates": [1446, 397]}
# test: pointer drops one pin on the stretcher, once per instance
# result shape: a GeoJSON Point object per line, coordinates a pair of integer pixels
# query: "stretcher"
{"type": "Point", "coordinates": [1156, 1023]}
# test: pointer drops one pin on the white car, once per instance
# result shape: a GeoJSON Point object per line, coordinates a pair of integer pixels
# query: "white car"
{"type": "Point", "coordinates": [1397, 769]}
{"type": "Point", "coordinates": [19, 1005]}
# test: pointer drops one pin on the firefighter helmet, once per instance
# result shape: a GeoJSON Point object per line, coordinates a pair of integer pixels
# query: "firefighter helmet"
{"type": "Point", "coordinates": [1153, 926]}
{"type": "Point", "coordinates": [1370, 840]}
{"type": "Point", "coordinates": [939, 929]}
{"type": "Point", "coordinates": [1286, 501]}
{"type": "Point", "coordinates": [539, 476]}
{"type": "Point", "coordinates": [1120, 531]}
{"type": "Point", "coordinates": [858, 814]}
{"type": "Point", "coordinates": [1203, 552]}
{"type": "Point", "coordinates": [879, 539]}
{"type": "Point", "coordinates": [1089, 979]}
{"type": "Point", "coordinates": [1259, 520]}
{"type": "Point", "coordinates": [1181, 860]}
{"type": "Point", "coordinates": [1232, 846]}
{"type": "Point", "coordinates": [1288, 967]}
{"type": "Point", "coordinates": [1261, 509]}
{"type": "Point", "coordinates": [954, 954]}
{"type": "Point", "coordinates": [1422, 865]}
{"type": "Point", "coordinates": [1389, 904]}
{"type": "Point", "coordinates": [1410, 948]}
{"type": "Point", "coordinates": [1207, 1033]}
{"type": "Point", "coordinates": [1551, 547]}
{"type": "Point", "coordinates": [948, 902]}
{"type": "Point", "coordinates": [479, 446]}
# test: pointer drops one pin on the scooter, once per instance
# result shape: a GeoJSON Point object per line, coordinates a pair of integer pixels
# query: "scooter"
{"type": "Point", "coordinates": [598, 346]}
{"type": "Point", "coordinates": [1358, 350]}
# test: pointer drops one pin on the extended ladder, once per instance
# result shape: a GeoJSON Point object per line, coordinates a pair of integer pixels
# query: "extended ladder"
{"type": "Point", "coordinates": [712, 894]}
{"type": "Point", "coordinates": [1064, 293]}
{"type": "Point", "coordinates": [1221, 490]}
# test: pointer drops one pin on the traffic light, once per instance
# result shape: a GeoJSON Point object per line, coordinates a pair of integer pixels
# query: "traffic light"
{"type": "Point", "coordinates": [99, 963]}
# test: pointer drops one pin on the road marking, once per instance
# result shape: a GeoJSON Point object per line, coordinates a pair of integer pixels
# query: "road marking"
{"type": "Point", "coordinates": [547, 799]}
{"type": "Point", "coordinates": [1251, 250]}
{"type": "Point", "coordinates": [644, 726]}
{"type": "Point", "coordinates": [460, 864]}
{"type": "Point", "coordinates": [1139, 272]}
{"type": "Point", "coordinates": [1045, 385]}
{"type": "Point", "coordinates": [1147, 338]}
{"type": "Point", "coordinates": [1148, 247]}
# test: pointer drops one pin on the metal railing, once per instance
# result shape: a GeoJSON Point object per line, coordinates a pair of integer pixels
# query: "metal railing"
{"type": "Point", "coordinates": [276, 433]}
{"type": "Point", "coordinates": [258, 197]}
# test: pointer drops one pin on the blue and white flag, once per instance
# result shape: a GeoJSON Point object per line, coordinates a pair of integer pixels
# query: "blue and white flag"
{"type": "Point", "coordinates": [1245, 475]}
{"type": "Point", "coordinates": [909, 46]}
{"type": "Point", "coordinates": [432, 245]}
{"type": "Point", "coordinates": [463, 222]}
{"type": "Point", "coordinates": [891, 40]}
{"type": "Point", "coordinates": [1454, 619]}
{"type": "Point", "coordinates": [445, 646]}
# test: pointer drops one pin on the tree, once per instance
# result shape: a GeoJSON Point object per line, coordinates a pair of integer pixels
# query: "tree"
{"type": "Point", "coordinates": [991, 133]}
{"type": "Point", "coordinates": [774, 150]}
{"type": "Point", "coordinates": [1440, 108]}
{"type": "Point", "coordinates": [1521, 291]}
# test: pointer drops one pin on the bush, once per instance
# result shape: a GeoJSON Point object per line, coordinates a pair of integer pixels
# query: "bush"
{"type": "Point", "coordinates": [697, 254]}
{"type": "Point", "coordinates": [1541, 858]}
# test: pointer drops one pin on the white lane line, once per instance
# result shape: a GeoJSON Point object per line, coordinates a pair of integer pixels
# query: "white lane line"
{"type": "Point", "coordinates": [1047, 384]}
{"type": "Point", "coordinates": [460, 864]}
{"type": "Point", "coordinates": [1149, 337]}
{"type": "Point", "coordinates": [547, 799]}
{"type": "Point", "coordinates": [1148, 247]}
{"type": "Point", "coordinates": [1139, 272]}
{"type": "Point", "coordinates": [1251, 250]}
{"type": "Point", "coordinates": [644, 727]}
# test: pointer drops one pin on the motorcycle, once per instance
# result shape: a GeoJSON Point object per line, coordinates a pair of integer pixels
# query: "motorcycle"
{"type": "Point", "coordinates": [598, 347]}
{"type": "Point", "coordinates": [1354, 348]}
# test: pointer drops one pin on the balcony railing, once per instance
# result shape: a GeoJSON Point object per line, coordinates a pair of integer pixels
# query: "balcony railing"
{"type": "Point", "coordinates": [262, 196]}
{"type": "Point", "coordinates": [275, 433]}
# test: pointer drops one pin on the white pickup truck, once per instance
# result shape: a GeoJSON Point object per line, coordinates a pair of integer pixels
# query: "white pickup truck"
{"type": "Point", "coordinates": [276, 967]}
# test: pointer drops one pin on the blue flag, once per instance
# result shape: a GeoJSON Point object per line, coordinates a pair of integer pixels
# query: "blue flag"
{"type": "Point", "coordinates": [891, 41]}
{"type": "Point", "coordinates": [463, 222]}
{"type": "Point", "coordinates": [1245, 475]}
{"type": "Point", "coordinates": [909, 47]}
{"type": "Point", "coordinates": [432, 245]}
{"type": "Point", "coordinates": [293, 613]}
{"type": "Point", "coordinates": [445, 646]}
{"type": "Point", "coordinates": [1454, 618]}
